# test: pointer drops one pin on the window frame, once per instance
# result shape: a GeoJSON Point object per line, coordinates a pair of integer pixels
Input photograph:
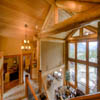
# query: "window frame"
{"type": "Point", "coordinates": [87, 63]}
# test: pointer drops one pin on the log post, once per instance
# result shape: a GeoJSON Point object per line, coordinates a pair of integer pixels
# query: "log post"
{"type": "Point", "coordinates": [21, 70]}
{"type": "Point", "coordinates": [38, 62]}
{"type": "Point", "coordinates": [98, 66]}
{"type": "Point", "coordinates": [26, 86]}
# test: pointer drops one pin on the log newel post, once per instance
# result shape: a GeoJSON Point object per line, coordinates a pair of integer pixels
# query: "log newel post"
{"type": "Point", "coordinates": [40, 81]}
{"type": "Point", "coordinates": [26, 86]}
{"type": "Point", "coordinates": [98, 57]}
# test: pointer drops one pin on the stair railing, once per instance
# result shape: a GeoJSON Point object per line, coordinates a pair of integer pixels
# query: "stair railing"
{"type": "Point", "coordinates": [88, 97]}
{"type": "Point", "coordinates": [29, 91]}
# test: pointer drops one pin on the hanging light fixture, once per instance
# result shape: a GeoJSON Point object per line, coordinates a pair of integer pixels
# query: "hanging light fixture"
{"type": "Point", "coordinates": [26, 42]}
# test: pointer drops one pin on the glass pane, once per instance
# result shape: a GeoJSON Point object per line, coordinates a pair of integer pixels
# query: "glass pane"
{"type": "Point", "coordinates": [76, 34]}
{"type": "Point", "coordinates": [87, 32]}
{"type": "Point", "coordinates": [81, 76]}
{"type": "Point", "coordinates": [93, 52]}
{"type": "Point", "coordinates": [93, 79]}
{"type": "Point", "coordinates": [81, 51]}
{"type": "Point", "coordinates": [71, 66]}
{"type": "Point", "coordinates": [71, 50]}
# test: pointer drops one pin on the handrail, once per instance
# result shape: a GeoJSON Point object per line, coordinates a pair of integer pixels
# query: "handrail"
{"type": "Point", "coordinates": [30, 86]}
{"type": "Point", "coordinates": [88, 97]}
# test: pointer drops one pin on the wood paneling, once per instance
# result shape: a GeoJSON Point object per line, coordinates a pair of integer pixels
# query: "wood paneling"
{"type": "Point", "coordinates": [14, 14]}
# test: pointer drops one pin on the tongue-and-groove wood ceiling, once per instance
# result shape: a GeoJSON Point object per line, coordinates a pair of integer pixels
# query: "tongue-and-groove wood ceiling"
{"type": "Point", "coordinates": [15, 13]}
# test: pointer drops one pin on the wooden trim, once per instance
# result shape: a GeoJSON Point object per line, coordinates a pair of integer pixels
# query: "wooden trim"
{"type": "Point", "coordinates": [84, 38]}
{"type": "Point", "coordinates": [87, 67]}
{"type": "Point", "coordinates": [75, 64]}
{"type": "Point", "coordinates": [87, 63]}
{"type": "Point", "coordinates": [7, 56]}
{"type": "Point", "coordinates": [98, 66]}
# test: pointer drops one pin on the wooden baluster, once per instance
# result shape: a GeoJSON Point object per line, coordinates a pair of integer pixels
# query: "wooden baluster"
{"type": "Point", "coordinates": [26, 86]}
{"type": "Point", "coordinates": [40, 81]}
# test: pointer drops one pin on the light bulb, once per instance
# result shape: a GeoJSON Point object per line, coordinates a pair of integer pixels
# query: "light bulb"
{"type": "Point", "coordinates": [26, 47]}
{"type": "Point", "coordinates": [28, 41]}
{"type": "Point", "coordinates": [22, 47]}
{"type": "Point", "coordinates": [25, 41]}
{"type": "Point", "coordinates": [29, 47]}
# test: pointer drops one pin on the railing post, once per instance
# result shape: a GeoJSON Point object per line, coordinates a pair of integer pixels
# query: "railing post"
{"type": "Point", "coordinates": [40, 80]}
{"type": "Point", "coordinates": [26, 86]}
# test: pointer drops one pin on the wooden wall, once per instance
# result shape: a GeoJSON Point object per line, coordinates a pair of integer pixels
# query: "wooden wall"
{"type": "Point", "coordinates": [11, 46]}
{"type": "Point", "coordinates": [52, 55]}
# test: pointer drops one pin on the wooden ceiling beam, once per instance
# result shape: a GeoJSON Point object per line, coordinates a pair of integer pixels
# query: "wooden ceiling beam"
{"type": "Point", "coordinates": [47, 17]}
{"type": "Point", "coordinates": [91, 28]}
{"type": "Point", "coordinates": [74, 6]}
{"type": "Point", "coordinates": [91, 1]}
{"type": "Point", "coordinates": [75, 21]}
{"type": "Point", "coordinates": [70, 33]}
{"type": "Point", "coordinates": [51, 2]}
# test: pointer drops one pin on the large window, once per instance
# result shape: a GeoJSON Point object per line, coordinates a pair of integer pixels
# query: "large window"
{"type": "Point", "coordinates": [81, 76]}
{"type": "Point", "coordinates": [92, 79]}
{"type": "Point", "coordinates": [81, 51]}
{"type": "Point", "coordinates": [71, 50]}
{"type": "Point", "coordinates": [93, 52]}
{"type": "Point", "coordinates": [71, 66]}
{"type": "Point", "coordinates": [81, 63]}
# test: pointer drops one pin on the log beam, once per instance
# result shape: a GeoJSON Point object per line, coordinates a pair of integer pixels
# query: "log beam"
{"type": "Point", "coordinates": [74, 6]}
{"type": "Point", "coordinates": [91, 1]}
{"type": "Point", "coordinates": [91, 28]}
{"type": "Point", "coordinates": [75, 21]}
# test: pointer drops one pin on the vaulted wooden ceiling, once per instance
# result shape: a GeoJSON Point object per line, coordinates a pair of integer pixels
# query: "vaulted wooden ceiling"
{"type": "Point", "coordinates": [72, 14]}
{"type": "Point", "coordinates": [15, 13]}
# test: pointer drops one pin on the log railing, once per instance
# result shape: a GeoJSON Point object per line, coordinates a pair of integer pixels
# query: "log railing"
{"type": "Point", "coordinates": [29, 91]}
{"type": "Point", "coordinates": [88, 97]}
